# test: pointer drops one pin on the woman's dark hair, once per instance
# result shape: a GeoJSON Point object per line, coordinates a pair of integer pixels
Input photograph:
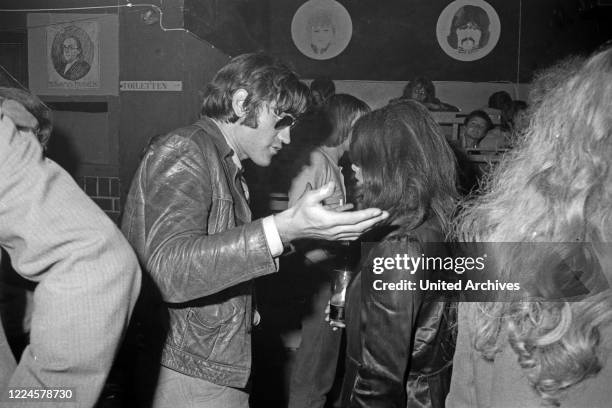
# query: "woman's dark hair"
{"type": "Point", "coordinates": [339, 112]}
{"type": "Point", "coordinates": [323, 87]}
{"type": "Point", "coordinates": [407, 165]}
{"type": "Point", "coordinates": [266, 80]}
{"type": "Point", "coordinates": [518, 106]}
{"type": "Point", "coordinates": [36, 107]}
{"type": "Point", "coordinates": [500, 100]}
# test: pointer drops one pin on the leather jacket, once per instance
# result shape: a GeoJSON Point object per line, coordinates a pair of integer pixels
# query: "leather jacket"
{"type": "Point", "coordinates": [188, 219]}
{"type": "Point", "coordinates": [400, 343]}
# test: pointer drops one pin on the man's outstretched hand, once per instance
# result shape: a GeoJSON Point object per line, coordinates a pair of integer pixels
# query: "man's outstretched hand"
{"type": "Point", "coordinates": [308, 218]}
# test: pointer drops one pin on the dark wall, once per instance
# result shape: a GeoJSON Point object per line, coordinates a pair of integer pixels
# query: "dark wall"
{"type": "Point", "coordinates": [396, 39]}
{"type": "Point", "coordinates": [149, 53]}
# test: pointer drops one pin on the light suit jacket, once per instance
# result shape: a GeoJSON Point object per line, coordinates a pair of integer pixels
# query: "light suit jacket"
{"type": "Point", "coordinates": [88, 276]}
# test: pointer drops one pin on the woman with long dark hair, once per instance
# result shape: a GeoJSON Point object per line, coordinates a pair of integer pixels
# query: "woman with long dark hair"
{"type": "Point", "coordinates": [399, 343]}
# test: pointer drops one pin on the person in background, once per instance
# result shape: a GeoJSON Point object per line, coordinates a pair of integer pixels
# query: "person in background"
{"type": "Point", "coordinates": [317, 357]}
{"type": "Point", "coordinates": [555, 187]}
{"type": "Point", "coordinates": [422, 90]}
{"type": "Point", "coordinates": [497, 137]}
{"type": "Point", "coordinates": [187, 215]}
{"type": "Point", "coordinates": [498, 103]}
{"type": "Point", "coordinates": [500, 100]}
{"type": "Point", "coordinates": [519, 123]}
{"type": "Point", "coordinates": [86, 273]}
{"type": "Point", "coordinates": [399, 344]}
{"type": "Point", "coordinates": [505, 135]}
{"type": "Point", "coordinates": [476, 126]}
{"type": "Point", "coordinates": [321, 89]}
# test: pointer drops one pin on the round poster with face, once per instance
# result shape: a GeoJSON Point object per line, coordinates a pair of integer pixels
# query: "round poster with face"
{"type": "Point", "coordinates": [321, 29]}
{"type": "Point", "coordinates": [468, 30]}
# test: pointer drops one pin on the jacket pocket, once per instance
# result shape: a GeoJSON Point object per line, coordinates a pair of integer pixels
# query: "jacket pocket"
{"type": "Point", "coordinates": [205, 328]}
{"type": "Point", "coordinates": [200, 337]}
{"type": "Point", "coordinates": [215, 315]}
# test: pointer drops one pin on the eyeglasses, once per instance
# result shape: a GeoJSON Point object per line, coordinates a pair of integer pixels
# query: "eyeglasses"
{"type": "Point", "coordinates": [285, 121]}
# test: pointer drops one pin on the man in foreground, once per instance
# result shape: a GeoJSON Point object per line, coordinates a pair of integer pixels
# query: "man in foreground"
{"type": "Point", "coordinates": [87, 275]}
{"type": "Point", "coordinates": [188, 217]}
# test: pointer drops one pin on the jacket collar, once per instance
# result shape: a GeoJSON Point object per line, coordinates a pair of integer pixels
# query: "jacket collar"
{"type": "Point", "coordinates": [231, 169]}
{"type": "Point", "coordinates": [213, 130]}
{"type": "Point", "coordinates": [221, 144]}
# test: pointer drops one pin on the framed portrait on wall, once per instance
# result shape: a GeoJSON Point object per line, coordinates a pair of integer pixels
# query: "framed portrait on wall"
{"type": "Point", "coordinates": [468, 30]}
{"type": "Point", "coordinates": [321, 29]}
{"type": "Point", "coordinates": [73, 54]}
{"type": "Point", "coordinates": [73, 59]}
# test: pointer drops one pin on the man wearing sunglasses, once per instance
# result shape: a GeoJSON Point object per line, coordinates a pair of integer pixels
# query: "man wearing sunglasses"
{"type": "Point", "coordinates": [188, 217]}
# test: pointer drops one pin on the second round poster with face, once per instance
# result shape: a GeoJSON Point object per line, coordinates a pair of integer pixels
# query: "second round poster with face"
{"type": "Point", "coordinates": [468, 30]}
{"type": "Point", "coordinates": [321, 29]}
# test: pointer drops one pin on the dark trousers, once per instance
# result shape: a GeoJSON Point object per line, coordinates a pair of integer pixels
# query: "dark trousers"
{"type": "Point", "coordinates": [316, 360]}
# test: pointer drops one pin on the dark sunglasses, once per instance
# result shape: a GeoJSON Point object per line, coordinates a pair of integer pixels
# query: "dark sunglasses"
{"type": "Point", "coordinates": [285, 121]}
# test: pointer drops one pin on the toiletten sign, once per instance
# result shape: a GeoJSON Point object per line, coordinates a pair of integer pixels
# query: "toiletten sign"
{"type": "Point", "coordinates": [151, 86]}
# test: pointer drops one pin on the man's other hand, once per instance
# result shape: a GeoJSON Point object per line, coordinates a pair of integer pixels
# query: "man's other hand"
{"type": "Point", "coordinates": [308, 218]}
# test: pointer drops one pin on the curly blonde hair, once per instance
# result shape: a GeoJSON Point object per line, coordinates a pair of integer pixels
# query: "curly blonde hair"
{"type": "Point", "coordinates": [556, 187]}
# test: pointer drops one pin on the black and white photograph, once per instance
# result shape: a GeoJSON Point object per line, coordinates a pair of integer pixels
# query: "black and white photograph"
{"type": "Point", "coordinates": [306, 204]}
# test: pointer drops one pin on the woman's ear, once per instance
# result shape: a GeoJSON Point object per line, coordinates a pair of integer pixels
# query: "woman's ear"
{"type": "Point", "coordinates": [238, 99]}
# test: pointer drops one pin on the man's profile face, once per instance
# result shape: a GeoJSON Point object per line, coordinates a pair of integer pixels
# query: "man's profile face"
{"type": "Point", "coordinates": [264, 142]}
{"type": "Point", "coordinates": [322, 36]}
{"type": "Point", "coordinates": [468, 36]}
{"type": "Point", "coordinates": [71, 50]}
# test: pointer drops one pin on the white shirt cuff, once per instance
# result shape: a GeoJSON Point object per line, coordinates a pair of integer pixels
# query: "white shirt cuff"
{"type": "Point", "coordinates": [272, 236]}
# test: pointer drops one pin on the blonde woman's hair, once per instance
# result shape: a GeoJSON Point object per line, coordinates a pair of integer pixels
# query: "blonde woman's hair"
{"type": "Point", "coordinates": [556, 187]}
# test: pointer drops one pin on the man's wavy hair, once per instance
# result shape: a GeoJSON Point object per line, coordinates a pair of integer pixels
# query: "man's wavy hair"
{"type": "Point", "coordinates": [467, 14]}
{"type": "Point", "coordinates": [268, 82]}
{"type": "Point", "coordinates": [408, 167]}
{"type": "Point", "coordinates": [555, 187]}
